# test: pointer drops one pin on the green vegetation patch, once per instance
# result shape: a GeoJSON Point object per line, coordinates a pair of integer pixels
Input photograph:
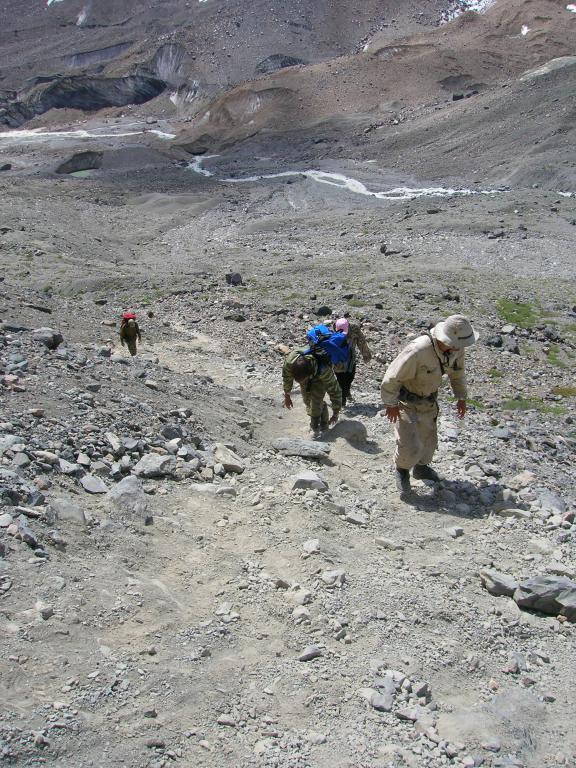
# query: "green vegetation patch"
{"type": "Point", "coordinates": [554, 357]}
{"type": "Point", "coordinates": [519, 313]}
{"type": "Point", "coordinates": [531, 404]}
{"type": "Point", "coordinates": [494, 373]}
{"type": "Point", "coordinates": [358, 303]}
{"type": "Point", "coordinates": [564, 391]}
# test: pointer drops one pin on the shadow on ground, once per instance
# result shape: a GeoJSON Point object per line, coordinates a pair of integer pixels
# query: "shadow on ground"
{"type": "Point", "coordinates": [459, 498]}
{"type": "Point", "coordinates": [354, 433]}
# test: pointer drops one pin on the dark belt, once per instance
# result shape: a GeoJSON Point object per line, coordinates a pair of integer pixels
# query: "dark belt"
{"type": "Point", "coordinates": [410, 397]}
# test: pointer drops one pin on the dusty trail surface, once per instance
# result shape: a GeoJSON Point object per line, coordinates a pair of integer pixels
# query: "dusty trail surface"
{"type": "Point", "coordinates": [174, 590]}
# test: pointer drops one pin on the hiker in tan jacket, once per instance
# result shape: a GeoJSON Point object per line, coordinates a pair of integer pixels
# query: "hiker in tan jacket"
{"type": "Point", "coordinates": [410, 394]}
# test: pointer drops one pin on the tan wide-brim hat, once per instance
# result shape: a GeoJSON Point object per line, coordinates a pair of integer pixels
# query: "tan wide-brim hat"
{"type": "Point", "coordinates": [456, 331]}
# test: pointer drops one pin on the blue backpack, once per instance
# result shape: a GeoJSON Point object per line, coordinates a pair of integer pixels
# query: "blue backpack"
{"type": "Point", "coordinates": [329, 347]}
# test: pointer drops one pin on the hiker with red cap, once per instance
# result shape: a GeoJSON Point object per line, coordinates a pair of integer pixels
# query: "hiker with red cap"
{"type": "Point", "coordinates": [129, 332]}
{"type": "Point", "coordinates": [345, 372]}
{"type": "Point", "coordinates": [410, 394]}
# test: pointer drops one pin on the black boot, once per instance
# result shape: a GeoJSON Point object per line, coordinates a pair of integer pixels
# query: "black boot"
{"type": "Point", "coordinates": [424, 472]}
{"type": "Point", "coordinates": [402, 477]}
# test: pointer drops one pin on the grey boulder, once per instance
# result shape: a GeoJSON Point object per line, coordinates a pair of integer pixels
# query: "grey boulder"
{"type": "Point", "coordinates": [155, 465]}
{"type": "Point", "coordinates": [308, 480]}
{"type": "Point", "coordinates": [306, 449]}
{"type": "Point", "coordinates": [229, 460]}
{"type": "Point", "coordinates": [555, 595]}
{"type": "Point", "coordinates": [93, 484]}
{"type": "Point", "coordinates": [68, 511]}
{"type": "Point", "coordinates": [128, 494]}
{"type": "Point", "coordinates": [48, 336]}
{"type": "Point", "coordinates": [498, 583]}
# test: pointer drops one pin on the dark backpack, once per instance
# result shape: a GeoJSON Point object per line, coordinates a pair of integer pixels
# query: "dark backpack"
{"type": "Point", "coordinates": [329, 347]}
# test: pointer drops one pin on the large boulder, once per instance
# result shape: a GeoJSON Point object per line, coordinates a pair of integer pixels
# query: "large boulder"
{"type": "Point", "coordinates": [555, 595]}
{"type": "Point", "coordinates": [48, 336]}
{"type": "Point", "coordinates": [307, 480]}
{"type": "Point", "coordinates": [296, 446]}
{"type": "Point", "coordinates": [498, 583]}
{"type": "Point", "coordinates": [68, 511]}
{"type": "Point", "coordinates": [128, 495]}
{"type": "Point", "coordinates": [93, 484]}
{"type": "Point", "coordinates": [155, 465]}
{"type": "Point", "coordinates": [229, 460]}
{"type": "Point", "coordinates": [7, 441]}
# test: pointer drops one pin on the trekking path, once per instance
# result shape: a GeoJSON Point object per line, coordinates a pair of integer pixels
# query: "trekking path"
{"type": "Point", "coordinates": [353, 577]}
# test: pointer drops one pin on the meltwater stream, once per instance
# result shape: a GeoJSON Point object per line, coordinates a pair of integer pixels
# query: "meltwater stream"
{"type": "Point", "coordinates": [344, 182]}
{"type": "Point", "coordinates": [38, 135]}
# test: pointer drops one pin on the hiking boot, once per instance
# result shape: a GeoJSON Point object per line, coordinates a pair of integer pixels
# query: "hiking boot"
{"type": "Point", "coordinates": [315, 430]}
{"type": "Point", "coordinates": [402, 477]}
{"type": "Point", "coordinates": [424, 472]}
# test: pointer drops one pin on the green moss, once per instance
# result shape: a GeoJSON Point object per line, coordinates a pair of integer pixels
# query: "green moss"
{"type": "Point", "coordinates": [531, 404]}
{"type": "Point", "coordinates": [554, 357]}
{"type": "Point", "coordinates": [358, 303]}
{"type": "Point", "coordinates": [564, 391]}
{"type": "Point", "coordinates": [519, 313]}
{"type": "Point", "coordinates": [494, 373]}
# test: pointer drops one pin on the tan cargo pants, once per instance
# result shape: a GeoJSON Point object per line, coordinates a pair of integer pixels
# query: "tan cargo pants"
{"type": "Point", "coordinates": [416, 434]}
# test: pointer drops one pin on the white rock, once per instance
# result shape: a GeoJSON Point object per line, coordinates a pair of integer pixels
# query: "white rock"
{"type": "Point", "coordinates": [308, 480]}
{"type": "Point", "coordinates": [311, 546]}
{"type": "Point", "coordinates": [334, 578]}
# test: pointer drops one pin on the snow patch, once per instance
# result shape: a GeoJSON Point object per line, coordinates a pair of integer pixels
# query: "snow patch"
{"type": "Point", "coordinates": [346, 183]}
{"type": "Point", "coordinates": [571, 8]}
{"type": "Point", "coordinates": [458, 7]}
{"type": "Point", "coordinates": [524, 31]}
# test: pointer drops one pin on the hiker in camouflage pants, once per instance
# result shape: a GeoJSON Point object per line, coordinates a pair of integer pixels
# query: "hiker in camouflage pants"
{"type": "Point", "coordinates": [316, 380]}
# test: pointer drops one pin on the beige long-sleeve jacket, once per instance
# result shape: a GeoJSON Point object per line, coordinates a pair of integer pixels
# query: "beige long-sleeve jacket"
{"type": "Point", "coordinates": [419, 370]}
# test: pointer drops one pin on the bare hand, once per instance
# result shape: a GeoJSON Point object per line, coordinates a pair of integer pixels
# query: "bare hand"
{"type": "Point", "coordinates": [288, 402]}
{"type": "Point", "coordinates": [334, 419]}
{"type": "Point", "coordinates": [461, 408]}
{"type": "Point", "coordinates": [392, 413]}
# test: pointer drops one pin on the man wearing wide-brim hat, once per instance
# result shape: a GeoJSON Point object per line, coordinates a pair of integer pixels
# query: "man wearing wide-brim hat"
{"type": "Point", "coordinates": [410, 394]}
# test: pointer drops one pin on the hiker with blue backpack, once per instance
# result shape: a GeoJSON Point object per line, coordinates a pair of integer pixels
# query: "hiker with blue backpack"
{"type": "Point", "coordinates": [346, 371]}
{"type": "Point", "coordinates": [312, 368]}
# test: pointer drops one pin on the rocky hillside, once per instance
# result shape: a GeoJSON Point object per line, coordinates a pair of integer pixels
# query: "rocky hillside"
{"type": "Point", "coordinates": [186, 578]}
